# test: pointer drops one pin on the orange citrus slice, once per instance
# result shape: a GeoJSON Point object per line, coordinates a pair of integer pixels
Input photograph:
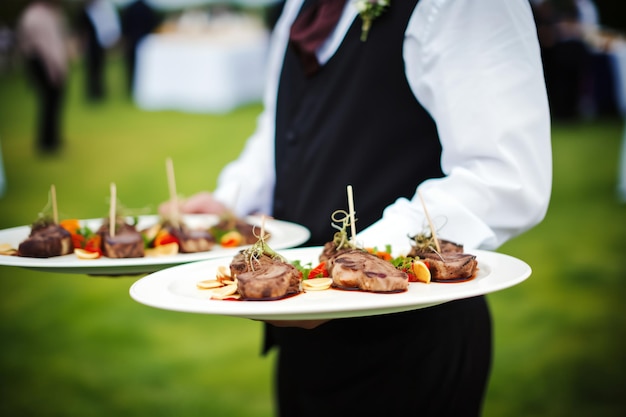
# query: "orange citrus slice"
{"type": "Point", "coordinates": [421, 271]}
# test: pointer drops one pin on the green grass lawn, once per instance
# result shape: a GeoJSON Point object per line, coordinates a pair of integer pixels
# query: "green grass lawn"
{"type": "Point", "coordinates": [74, 345]}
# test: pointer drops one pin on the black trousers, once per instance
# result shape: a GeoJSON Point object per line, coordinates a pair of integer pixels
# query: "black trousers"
{"type": "Point", "coordinates": [94, 71]}
{"type": "Point", "coordinates": [50, 101]}
{"type": "Point", "coordinates": [429, 362]}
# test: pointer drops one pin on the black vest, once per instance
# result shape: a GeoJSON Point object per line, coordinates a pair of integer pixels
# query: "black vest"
{"type": "Point", "coordinates": [355, 122]}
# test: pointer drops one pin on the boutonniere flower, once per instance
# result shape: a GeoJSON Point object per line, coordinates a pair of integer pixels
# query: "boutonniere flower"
{"type": "Point", "coordinates": [369, 10]}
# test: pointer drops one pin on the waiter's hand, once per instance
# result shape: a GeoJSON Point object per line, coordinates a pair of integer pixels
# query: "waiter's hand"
{"type": "Point", "coordinates": [199, 203]}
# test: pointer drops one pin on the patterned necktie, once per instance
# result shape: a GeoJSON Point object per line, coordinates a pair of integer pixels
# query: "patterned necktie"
{"type": "Point", "coordinates": [316, 21]}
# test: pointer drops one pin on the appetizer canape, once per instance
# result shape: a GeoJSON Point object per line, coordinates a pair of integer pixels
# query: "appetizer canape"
{"type": "Point", "coordinates": [262, 274]}
{"type": "Point", "coordinates": [122, 240]}
{"type": "Point", "coordinates": [448, 263]}
{"type": "Point", "coordinates": [231, 231]}
{"type": "Point", "coordinates": [354, 268]}
{"type": "Point", "coordinates": [46, 239]}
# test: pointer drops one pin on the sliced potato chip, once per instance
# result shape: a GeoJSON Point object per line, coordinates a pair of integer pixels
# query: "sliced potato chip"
{"type": "Point", "coordinates": [163, 250]}
{"type": "Point", "coordinates": [85, 254]}
{"type": "Point", "coordinates": [209, 284]}
{"type": "Point", "coordinates": [7, 249]}
{"type": "Point", "coordinates": [224, 292]}
{"type": "Point", "coordinates": [223, 272]}
{"type": "Point", "coordinates": [317, 284]}
{"type": "Point", "coordinates": [235, 296]}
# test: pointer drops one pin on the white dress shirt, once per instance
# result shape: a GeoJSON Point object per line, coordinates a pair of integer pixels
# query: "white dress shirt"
{"type": "Point", "coordinates": [475, 66]}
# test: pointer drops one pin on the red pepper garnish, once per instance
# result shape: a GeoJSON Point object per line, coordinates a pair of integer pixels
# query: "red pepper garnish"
{"type": "Point", "coordinates": [231, 239]}
{"type": "Point", "coordinates": [319, 271]}
{"type": "Point", "coordinates": [78, 240]}
{"type": "Point", "coordinates": [163, 238]}
{"type": "Point", "coordinates": [82, 237]}
{"type": "Point", "coordinates": [94, 244]}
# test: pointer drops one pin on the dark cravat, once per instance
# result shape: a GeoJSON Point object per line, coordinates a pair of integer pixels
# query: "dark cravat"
{"type": "Point", "coordinates": [315, 22]}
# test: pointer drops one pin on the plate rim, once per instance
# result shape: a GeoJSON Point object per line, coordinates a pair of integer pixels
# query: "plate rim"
{"type": "Point", "coordinates": [164, 298]}
{"type": "Point", "coordinates": [133, 266]}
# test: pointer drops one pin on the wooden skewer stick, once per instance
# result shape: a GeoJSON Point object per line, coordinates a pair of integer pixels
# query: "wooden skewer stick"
{"type": "Point", "coordinates": [55, 213]}
{"type": "Point", "coordinates": [430, 223]}
{"type": "Point", "coordinates": [112, 210]}
{"type": "Point", "coordinates": [171, 180]}
{"type": "Point", "coordinates": [351, 213]}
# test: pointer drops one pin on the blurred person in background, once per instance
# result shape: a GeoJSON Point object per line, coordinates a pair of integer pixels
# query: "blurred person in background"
{"type": "Point", "coordinates": [41, 35]}
{"type": "Point", "coordinates": [440, 98]}
{"type": "Point", "coordinates": [101, 28]}
{"type": "Point", "coordinates": [578, 74]}
{"type": "Point", "coordinates": [567, 58]}
{"type": "Point", "coordinates": [138, 20]}
{"type": "Point", "coordinates": [588, 14]}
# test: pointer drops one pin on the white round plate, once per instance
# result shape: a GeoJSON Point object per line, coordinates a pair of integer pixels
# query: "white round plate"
{"type": "Point", "coordinates": [175, 289]}
{"type": "Point", "coordinates": [283, 235]}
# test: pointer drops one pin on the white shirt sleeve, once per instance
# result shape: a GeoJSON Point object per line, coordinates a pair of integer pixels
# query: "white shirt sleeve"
{"type": "Point", "coordinates": [476, 68]}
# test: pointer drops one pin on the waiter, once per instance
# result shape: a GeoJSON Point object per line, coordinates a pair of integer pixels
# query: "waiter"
{"type": "Point", "coordinates": [444, 97]}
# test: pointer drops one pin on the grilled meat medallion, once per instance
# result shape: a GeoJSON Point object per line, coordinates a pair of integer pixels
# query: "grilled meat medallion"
{"type": "Point", "coordinates": [360, 270]}
{"type": "Point", "coordinates": [126, 243]}
{"type": "Point", "coordinates": [450, 264]}
{"type": "Point", "coordinates": [265, 278]}
{"type": "Point", "coordinates": [45, 241]}
{"type": "Point", "coordinates": [453, 266]}
{"type": "Point", "coordinates": [330, 252]}
{"type": "Point", "coordinates": [192, 240]}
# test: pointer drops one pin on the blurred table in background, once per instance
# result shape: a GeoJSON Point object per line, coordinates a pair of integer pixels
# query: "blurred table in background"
{"type": "Point", "coordinates": [210, 69]}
